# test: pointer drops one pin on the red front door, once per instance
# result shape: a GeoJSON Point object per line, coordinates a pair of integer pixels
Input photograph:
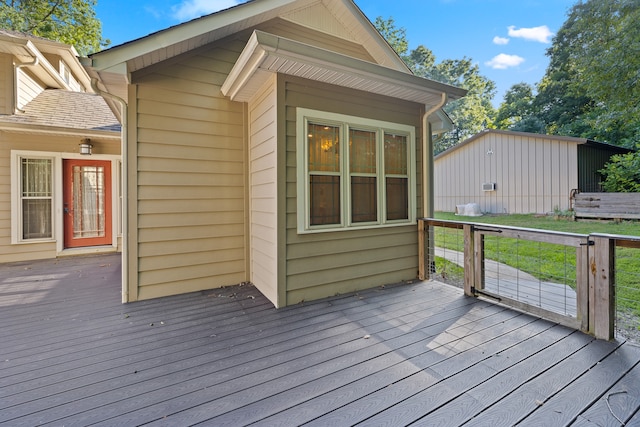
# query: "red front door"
{"type": "Point", "coordinates": [87, 203]}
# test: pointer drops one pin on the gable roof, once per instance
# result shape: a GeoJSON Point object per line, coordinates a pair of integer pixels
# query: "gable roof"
{"type": "Point", "coordinates": [65, 112]}
{"type": "Point", "coordinates": [577, 141]}
{"type": "Point", "coordinates": [113, 66]}
{"type": "Point", "coordinates": [26, 47]}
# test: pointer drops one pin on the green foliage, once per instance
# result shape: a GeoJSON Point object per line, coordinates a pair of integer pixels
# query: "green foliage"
{"type": "Point", "coordinates": [622, 173]}
{"type": "Point", "coordinates": [591, 86]}
{"type": "Point", "coordinates": [471, 114]}
{"type": "Point", "coordinates": [517, 110]}
{"type": "Point", "coordinates": [72, 22]}
{"type": "Point", "coordinates": [396, 37]}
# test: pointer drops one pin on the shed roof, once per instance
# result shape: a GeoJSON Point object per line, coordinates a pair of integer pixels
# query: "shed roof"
{"type": "Point", "coordinates": [577, 141]}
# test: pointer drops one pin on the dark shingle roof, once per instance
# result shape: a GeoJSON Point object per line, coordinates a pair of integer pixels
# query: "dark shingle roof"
{"type": "Point", "coordinates": [65, 109]}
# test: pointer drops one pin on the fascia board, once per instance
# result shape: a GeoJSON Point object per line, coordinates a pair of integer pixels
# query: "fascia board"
{"type": "Point", "coordinates": [109, 58]}
{"type": "Point", "coordinates": [263, 45]}
{"type": "Point", "coordinates": [59, 131]}
{"type": "Point", "coordinates": [44, 64]}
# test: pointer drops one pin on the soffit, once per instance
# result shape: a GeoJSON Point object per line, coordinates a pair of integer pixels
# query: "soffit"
{"type": "Point", "coordinates": [265, 54]}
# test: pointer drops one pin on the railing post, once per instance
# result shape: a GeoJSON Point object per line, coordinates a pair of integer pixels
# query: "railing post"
{"type": "Point", "coordinates": [602, 267]}
{"type": "Point", "coordinates": [478, 263]}
{"type": "Point", "coordinates": [469, 260]}
{"type": "Point", "coordinates": [422, 254]}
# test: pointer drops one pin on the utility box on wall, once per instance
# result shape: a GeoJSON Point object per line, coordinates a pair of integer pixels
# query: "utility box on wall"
{"type": "Point", "coordinates": [489, 186]}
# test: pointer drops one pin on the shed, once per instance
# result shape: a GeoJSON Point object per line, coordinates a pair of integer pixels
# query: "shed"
{"type": "Point", "coordinates": [518, 172]}
{"type": "Point", "coordinates": [281, 142]}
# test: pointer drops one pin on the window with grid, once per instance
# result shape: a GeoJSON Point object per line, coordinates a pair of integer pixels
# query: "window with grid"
{"type": "Point", "coordinates": [353, 172]}
{"type": "Point", "coordinates": [36, 198]}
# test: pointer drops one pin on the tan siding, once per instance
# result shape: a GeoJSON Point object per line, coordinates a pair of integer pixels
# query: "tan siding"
{"type": "Point", "coordinates": [190, 177]}
{"type": "Point", "coordinates": [6, 84]}
{"type": "Point", "coordinates": [323, 39]}
{"type": "Point", "coordinates": [533, 175]}
{"type": "Point", "coordinates": [323, 264]}
{"type": "Point", "coordinates": [263, 189]}
{"type": "Point", "coordinates": [28, 88]}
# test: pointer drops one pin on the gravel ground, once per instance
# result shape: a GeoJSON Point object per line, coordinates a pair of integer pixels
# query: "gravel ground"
{"type": "Point", "coordinates": [627, 327]}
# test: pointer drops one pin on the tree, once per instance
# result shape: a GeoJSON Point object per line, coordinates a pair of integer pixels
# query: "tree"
{"type": "Point", "coordinates": [591, 86]}
{"type": "Point", "coordinates": [470, 114]}
{"type": "Point", "coordinates": [517, 111]}
{"type": "Point", "coordinates": [72, 22]}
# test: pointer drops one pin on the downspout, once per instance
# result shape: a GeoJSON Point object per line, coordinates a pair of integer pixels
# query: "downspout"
{"type": "Point", "coordinates": [427, 159]}
{"type": "Point", "coordinates": [125, 182]}
{"type": "Point", "coordinates": [15, 79]}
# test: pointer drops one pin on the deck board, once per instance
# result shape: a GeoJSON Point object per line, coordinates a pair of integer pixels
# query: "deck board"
{"type": "Point", "coordinates": [417, 353]}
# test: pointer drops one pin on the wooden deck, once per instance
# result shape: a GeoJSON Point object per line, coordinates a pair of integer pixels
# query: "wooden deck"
{"type": "Point", "coordinates": [419, 354]}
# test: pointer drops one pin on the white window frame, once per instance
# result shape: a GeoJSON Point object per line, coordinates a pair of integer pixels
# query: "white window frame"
{"type": "Point", "coordinates": [345, 122]}
{"type": "Point", "coordinates": [16, 195]}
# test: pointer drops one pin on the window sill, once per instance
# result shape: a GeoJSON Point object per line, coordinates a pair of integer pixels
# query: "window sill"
{"type": "Point", "coordinates": [357, 228]}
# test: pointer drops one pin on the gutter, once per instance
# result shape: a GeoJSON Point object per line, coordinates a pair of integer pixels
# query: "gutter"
{"type": "Point", "coordinates": [125, 205]}
{"type": "Point", "coordinates": [427, 160]}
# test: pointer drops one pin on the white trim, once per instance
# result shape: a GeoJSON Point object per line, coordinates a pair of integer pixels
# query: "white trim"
{"type": "Point", "coordinates": [57, 214]}
{"type": "Point", "coordinates": [303, 116]}
{"type": "Point", "coordinates": [266, 53]}
{"type": "Point", "coordinates": [16, 196]}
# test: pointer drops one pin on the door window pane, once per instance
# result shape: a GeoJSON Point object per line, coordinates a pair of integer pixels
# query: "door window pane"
{"type": "Point", "coordinates": [88, 201]}
{"type": "Point", "coordinates": [36, 196]}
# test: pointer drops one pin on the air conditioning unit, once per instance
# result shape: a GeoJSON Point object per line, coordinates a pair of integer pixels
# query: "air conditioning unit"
{"type": "Point", "coordinates": [489, 186]}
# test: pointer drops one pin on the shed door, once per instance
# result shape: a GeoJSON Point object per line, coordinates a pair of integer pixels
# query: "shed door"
{"type": "Point", "coordinates": [87, 203]}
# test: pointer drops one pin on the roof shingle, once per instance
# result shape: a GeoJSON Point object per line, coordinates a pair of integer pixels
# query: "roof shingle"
{"type": "Point", "coordinates": [66, 109]}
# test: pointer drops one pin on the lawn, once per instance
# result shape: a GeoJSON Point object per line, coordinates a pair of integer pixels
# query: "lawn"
{"type": "Point", "coordinates": [550, 262]}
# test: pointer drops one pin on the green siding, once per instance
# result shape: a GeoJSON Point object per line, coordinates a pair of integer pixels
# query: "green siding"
{"type": "Point", "coordinates": [323, 264]}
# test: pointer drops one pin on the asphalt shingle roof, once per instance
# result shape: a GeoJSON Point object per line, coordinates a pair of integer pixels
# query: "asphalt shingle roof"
{"type": "Point", "coordinates": [66, 109]}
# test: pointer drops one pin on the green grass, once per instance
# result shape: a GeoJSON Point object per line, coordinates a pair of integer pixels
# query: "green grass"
{"type": "Point", "coordinates": [449, 272]}
{"type": "Point", "coordinates": [552, 262]}
{"type": "Point", "coordinates": [547, 222]}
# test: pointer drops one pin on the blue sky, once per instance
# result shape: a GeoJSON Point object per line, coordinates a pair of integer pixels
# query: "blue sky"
{"type": "Point", "coordinates": [506, 38]}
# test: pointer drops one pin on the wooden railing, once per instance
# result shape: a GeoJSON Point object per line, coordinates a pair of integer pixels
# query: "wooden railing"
{"type": "Point", "coordinates": [594, 302]}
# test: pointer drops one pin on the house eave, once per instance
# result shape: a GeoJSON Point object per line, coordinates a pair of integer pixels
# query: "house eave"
{"type": "Point", "coordinates": [165, 44]}
{"type": "Point", "coordinates": [59, 131]}
{"type": "Point", "coordinates": [267, 53]}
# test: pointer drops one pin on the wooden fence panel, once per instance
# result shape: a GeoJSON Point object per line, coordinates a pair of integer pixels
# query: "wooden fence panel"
{"type": "Point", "coordinates": [607, 205]}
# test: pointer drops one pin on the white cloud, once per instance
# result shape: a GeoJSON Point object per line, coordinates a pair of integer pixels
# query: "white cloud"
{"type": "Point", "coordinates": [500, 40]}
{"type": "Point", "coordinates": [540, 34]}
{"type": "Point", "coordinates": [504, 61]}
{"type": "Point", "coordinates": [190, 9]}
